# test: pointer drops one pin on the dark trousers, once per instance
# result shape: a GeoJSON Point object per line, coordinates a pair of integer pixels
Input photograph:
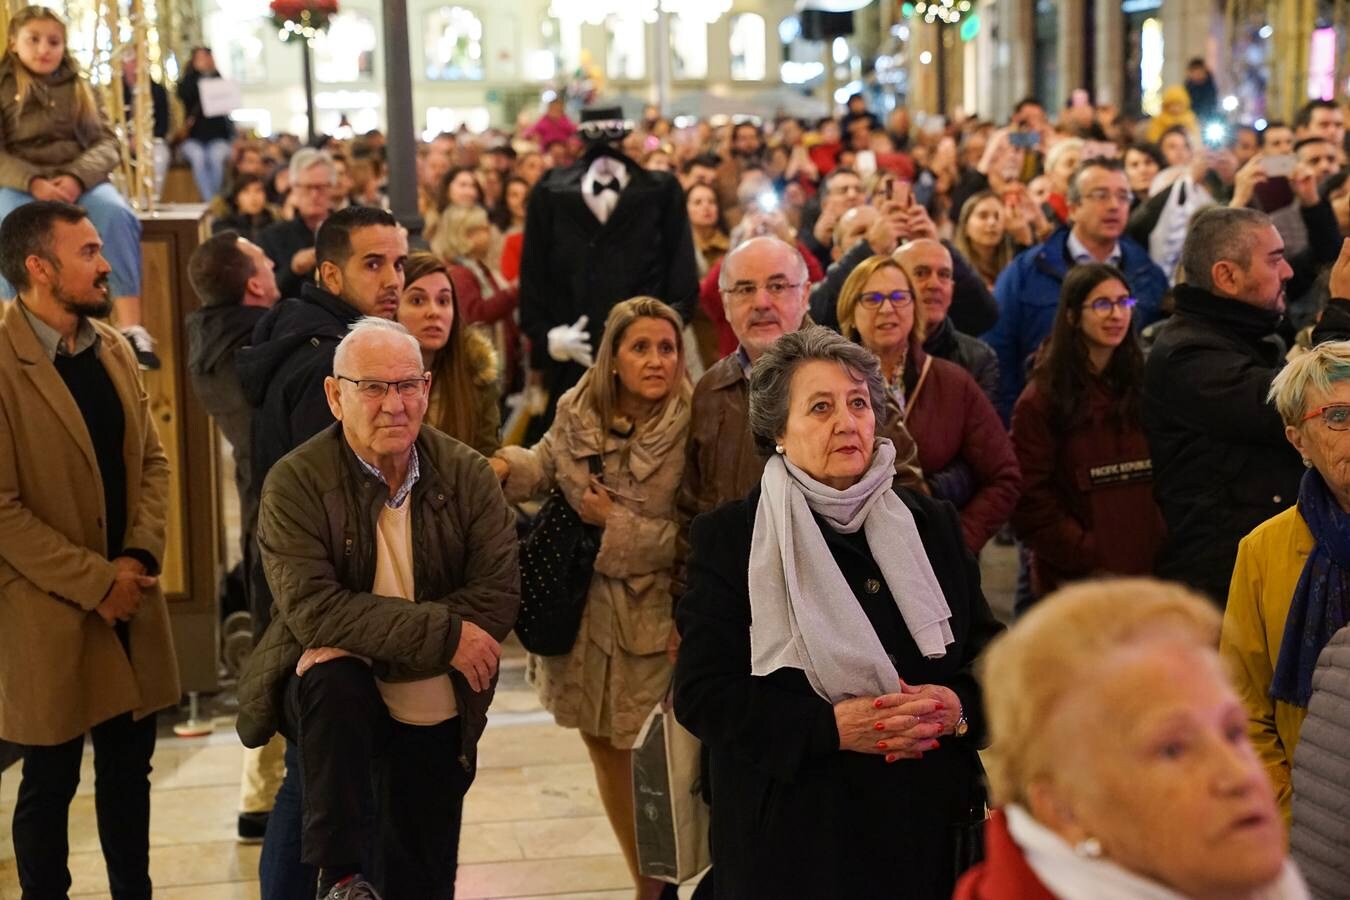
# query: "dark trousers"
{"type": "Point", "coordinates": [122, 751]}
{"type": "Point", "coordinates": [281, 874]}
{"type": "Point", "coordinates": [353, 756]}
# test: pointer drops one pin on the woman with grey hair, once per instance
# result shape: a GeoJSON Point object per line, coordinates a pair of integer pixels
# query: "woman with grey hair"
{"type": "Point", "coordinates": [1291, 585]}
{"type": "Point", "coordinates": [830, 627]}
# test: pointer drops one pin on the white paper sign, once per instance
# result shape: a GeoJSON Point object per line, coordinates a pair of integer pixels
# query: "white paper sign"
{"type": "Point", "coordinates": [219, 96]}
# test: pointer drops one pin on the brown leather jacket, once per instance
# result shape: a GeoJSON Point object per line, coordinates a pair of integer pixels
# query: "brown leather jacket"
{"type": "Point", "coordinates": [722, 462]}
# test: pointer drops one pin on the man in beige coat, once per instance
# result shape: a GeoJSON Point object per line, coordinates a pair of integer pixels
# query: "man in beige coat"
{"type": "Point", "coordinates": [85, 645]}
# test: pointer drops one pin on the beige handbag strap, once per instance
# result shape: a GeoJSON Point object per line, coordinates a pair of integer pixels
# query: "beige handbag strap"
{"type": "Point", "coordinates": [914, 395]}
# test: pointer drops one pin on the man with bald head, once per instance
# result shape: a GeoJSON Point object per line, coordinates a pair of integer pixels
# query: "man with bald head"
{"type": "Point", "coordinates": [929, 266]}
{"type": "Point", "coordinates": [391, 555]}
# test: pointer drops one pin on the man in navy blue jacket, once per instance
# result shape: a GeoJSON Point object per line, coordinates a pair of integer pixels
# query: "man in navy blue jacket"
{"type": "Point", "coordinates": [1027, 292]}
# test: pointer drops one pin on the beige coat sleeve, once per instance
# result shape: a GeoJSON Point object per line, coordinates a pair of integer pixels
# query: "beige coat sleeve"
{"type": "Point", "coordinates": [633, 544]}
{"type": "Point", "coordinates": [533, 470]}
{"type": "Point", "coordinates": [38, 552]}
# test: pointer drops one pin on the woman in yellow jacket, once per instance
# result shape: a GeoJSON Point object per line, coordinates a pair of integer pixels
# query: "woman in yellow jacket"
{"type": "Point", "coordinates": [1291, 585]}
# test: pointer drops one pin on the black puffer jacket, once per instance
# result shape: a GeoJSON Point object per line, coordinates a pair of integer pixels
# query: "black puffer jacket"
{"type": "Point", "coordinates": [970, 353]}
{"type": "Point", "coordinates": [1221, 464]}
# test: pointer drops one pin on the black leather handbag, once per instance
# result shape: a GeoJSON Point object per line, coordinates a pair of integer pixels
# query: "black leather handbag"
{"type": "Point", "coordinates": [557, 560]}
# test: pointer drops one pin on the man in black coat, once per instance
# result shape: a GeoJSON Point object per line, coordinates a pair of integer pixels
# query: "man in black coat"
{"type": "Point", "coordinates": [601, 231]}
{"type": "Point", "coordinates": [1221, 464]}
{"type": "Point", "coordinates": [290, 243]}
{"type": "Point", "coordinates": [236, 284]}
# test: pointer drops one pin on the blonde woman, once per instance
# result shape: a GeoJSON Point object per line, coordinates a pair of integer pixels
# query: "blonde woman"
{"type": "Point", "coordinates": [631, 409]}
{"type": "Point", "coordinates": [1120, 763]}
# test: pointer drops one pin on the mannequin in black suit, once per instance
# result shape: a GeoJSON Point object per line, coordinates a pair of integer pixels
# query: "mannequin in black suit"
{"type": "Point", "coordinates": [573, 264]}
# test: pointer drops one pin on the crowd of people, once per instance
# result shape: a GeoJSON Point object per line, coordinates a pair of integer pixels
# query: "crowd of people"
{"type": "Point", "coordinates": [791, 378]}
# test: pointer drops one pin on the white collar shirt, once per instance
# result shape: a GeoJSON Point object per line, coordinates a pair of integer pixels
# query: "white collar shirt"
{"type": "Point", "coordinates": [1080, 254]}
{"type": "Point", "coordinates": [603, 170]}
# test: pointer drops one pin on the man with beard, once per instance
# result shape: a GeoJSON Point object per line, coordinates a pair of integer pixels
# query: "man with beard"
{"type": "Point", "coordinates": [359, 253]}
{"type": "Point", "coordinates": [1221, 464]}
{"type": "Point", "coordinates": [85, 645]}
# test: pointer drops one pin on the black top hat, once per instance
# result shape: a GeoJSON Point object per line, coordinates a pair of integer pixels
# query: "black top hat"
{"type": "Point", "coordinates": [603, 123]}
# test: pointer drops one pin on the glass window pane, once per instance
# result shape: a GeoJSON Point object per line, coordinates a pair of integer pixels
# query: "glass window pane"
{"type": "Point", "coordinates": [747, 47]}
{"type": "Point", "coordinates": [626, 56]}
{"type": "Point", "coordinates": [688, 47]}
{"type": "Point", "coordinates": [346, 51]}
{"type": "Point", "coordinates": [454, 44]}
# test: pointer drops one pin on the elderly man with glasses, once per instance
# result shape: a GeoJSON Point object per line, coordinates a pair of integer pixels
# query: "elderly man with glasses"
{"type": "Point", "coordinates": [1027, 291]}
{"type": "Point", "coordinates": [290, 244]}
{"type": "Point", "coordinates": [359, 257]}
{"type": "Point", "coordinates": [392, 558]}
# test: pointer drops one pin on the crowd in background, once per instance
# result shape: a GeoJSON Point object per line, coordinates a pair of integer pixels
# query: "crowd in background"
{"type": "Point", "coordinates": [1118, 344]}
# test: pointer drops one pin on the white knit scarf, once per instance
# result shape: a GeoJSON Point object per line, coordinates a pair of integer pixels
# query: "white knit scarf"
{"type": "Point", "coordinates": [803, 615]}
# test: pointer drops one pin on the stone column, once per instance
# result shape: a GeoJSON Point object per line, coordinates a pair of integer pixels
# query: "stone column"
{"type": "Point", "coordinates": [401, 134]}
{"type": "Point", "coordinates": [1110, 56]}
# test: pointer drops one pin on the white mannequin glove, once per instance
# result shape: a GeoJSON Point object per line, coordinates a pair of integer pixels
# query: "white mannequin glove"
{"type": "Point", "coordinates": [571, 342]}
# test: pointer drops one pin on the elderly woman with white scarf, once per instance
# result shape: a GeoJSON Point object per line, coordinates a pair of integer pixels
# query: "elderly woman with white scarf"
{"type": "Point", "coordinates": [830, 629]}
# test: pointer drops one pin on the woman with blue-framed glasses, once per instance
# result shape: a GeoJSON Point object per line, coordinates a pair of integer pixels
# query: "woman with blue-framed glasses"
{"type": "Point", "coordinates": [1087, 504]}
{"type": "Point", "coordinates": [964, 450]}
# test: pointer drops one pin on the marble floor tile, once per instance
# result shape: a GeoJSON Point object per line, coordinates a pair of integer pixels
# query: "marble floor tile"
{"type": "Point", "coordinates": [553, 876]}
{"type": "Point", "coordinates": [177, 866]}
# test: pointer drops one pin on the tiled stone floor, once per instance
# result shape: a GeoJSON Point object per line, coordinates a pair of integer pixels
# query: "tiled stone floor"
{"type": "Point", "coordinates": [533, 825]}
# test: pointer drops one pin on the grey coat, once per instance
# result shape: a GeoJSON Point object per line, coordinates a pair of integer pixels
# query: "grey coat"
{"type": "Point", "coordinates": [1320, 837]}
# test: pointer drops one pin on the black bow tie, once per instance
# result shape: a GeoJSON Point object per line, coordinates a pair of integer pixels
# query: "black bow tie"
{"type": "Point", "coordinates": [601, 186]}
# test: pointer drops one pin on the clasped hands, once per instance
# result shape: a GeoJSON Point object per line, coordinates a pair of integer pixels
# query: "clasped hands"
{"type": "Point", "coordinates": [475, 658]}
{"type": "Point", "coordinates": [903, 725]}
{"type": "Point", "coordinates": [123, 599]}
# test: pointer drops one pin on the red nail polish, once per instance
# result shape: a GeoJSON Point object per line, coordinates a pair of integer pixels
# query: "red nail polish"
{"type": "Point", "coordinates": [881, 745]}
{"type": "Point", "coordinates": [940, 706]}
{"type": "Point", "coordinates": [891, 757]}
{"type": "Point", "coordinates": [879, 727]}
{"type": "Point", "coordinates": [876, 704]}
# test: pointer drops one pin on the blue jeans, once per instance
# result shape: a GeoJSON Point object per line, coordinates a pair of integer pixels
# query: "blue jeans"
{"type": "Point", "coordinates": [208, 165]}
{"type": "Point", "coordinates": [281, 874]}
{"type": "Point", "coordinates": [116, 224]}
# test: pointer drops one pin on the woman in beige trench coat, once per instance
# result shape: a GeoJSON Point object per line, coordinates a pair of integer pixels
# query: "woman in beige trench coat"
{"type": "Point", "coordinates": [632, 410]}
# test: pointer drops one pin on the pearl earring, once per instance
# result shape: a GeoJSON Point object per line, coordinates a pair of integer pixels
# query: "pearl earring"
{"type": "Point", "coordinates": [1307, 463]}
{"type": "Point", "coordinates": [1088, 848]}
{"type": "Point", "coordinates": [778, 448]}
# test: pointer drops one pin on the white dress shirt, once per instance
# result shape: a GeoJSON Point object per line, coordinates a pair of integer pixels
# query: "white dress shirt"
{"type": "Point", "coordinates": [604, 169]}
